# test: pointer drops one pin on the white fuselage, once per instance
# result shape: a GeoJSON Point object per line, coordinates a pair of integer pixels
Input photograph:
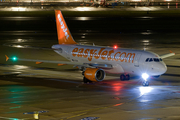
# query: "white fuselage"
{"type": "Point", "coordinates": [128, 61]}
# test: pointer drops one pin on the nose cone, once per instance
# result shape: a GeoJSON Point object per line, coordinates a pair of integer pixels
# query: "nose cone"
{"type": "Point", "coordinates": [157, 69]}
{"type": "Point", "coordinates": [154, 68]}
{"type": "Point", "coordinates": [161, 68]}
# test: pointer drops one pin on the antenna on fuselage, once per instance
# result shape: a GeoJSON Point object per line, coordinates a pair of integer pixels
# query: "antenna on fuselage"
{"type": "Point", "coordinates": [145, 48]}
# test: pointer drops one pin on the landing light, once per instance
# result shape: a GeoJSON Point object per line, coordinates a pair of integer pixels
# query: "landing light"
{"type": "Point", "coordinates": [145, 76]}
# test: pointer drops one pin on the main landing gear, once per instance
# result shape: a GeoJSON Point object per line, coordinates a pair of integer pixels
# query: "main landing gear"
{"type": "Point", "coordinates": [85, 80]}
{"type": "Point", "coordinates": [124, 77]}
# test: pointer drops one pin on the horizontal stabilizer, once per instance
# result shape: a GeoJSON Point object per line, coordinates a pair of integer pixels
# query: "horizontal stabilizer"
{"type": "Point", "coordinates": [167, 55]}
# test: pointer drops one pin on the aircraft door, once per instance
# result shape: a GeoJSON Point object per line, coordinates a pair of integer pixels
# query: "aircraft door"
{"type": "Point", "coordinates": [136, 60]}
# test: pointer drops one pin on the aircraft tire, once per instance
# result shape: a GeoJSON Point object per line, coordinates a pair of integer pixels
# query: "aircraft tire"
{"type": "Point", "coordinates": [145, 83]}
{"type": "Point", "coordinates": [83, 73]}
{"type": "Point", "coordinates": [85, 80]}
{"type": "Point", "coordinates": [122, 77]}
{"type": "Point", "coordinates": [127, 77]}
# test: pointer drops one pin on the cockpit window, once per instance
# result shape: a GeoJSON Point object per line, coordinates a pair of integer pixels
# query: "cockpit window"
{"type": "Point", "coordinates": [147, 59]}
{"type": "Point", "coordinates": [150, 60]}
{"type": "Point", "coordinates": [153, 59]}
{"type": "Point", "coordinates": [156, 60]}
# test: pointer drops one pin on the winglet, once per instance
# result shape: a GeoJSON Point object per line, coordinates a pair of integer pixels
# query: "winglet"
{"type": "Point", "coordinates": [7, 58]}
{"type": "Point", "coordinates": [171, 51]}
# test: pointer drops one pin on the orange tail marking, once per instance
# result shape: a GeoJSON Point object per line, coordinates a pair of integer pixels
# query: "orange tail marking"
{"type": "Point", "coordinates": [64, 35]}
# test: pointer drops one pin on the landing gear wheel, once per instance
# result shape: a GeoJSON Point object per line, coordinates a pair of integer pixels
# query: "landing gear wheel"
{"type": "Point", "coordinates": [83, 73]}
{"type": "Point", "coordinates": [122, 77]}
{"type": "Point", "coordinates": [85, 80]}
{"type": "Point", "coordinates": [127, 77]}
{"type": "Point", "coordinates": [145, 83]}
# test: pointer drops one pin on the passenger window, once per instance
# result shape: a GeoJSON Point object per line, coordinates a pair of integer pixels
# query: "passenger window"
{"type": "Point", "coordinates": [150, 60]}
{"type": "Point", "coordinates": [147, 59]}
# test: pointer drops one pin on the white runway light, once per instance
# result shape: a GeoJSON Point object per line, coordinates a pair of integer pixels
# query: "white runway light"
{"type": "Point", "coordinates": [145, 76]}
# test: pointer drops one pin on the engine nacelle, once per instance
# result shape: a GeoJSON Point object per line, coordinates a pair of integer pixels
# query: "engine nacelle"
{"type": "Point", "coordinates": [94, 74]}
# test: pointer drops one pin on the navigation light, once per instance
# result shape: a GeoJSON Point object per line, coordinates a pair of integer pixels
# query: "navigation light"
{"type": "Point", "coordinates": [14, 58]}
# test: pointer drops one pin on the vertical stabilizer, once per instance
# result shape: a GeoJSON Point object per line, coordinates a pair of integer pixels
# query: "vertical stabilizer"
{"type": "Point", "coordinates": [64, 35]}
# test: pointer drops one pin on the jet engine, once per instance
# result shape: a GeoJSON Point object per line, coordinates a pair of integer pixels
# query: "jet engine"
{"type": "Point", "coordinates": [94, 74]}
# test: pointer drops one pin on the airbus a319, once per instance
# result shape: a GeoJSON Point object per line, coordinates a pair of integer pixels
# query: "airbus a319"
{"type": "Point", "coordinates": [95, 61]}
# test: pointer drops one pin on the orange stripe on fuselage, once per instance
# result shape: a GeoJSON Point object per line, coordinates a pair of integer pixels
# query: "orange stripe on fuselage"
{"type": "Point", "coordinates": [103, 54]}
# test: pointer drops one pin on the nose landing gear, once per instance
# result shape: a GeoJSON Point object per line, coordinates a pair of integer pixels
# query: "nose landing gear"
{"type": "Point", "coordinates": [145, 77]}
{"type": "Point", "coordinates": [145, 83]}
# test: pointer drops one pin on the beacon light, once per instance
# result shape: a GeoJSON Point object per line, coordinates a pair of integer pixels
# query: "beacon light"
{"type": "Point", "coordinates": [115, 47]}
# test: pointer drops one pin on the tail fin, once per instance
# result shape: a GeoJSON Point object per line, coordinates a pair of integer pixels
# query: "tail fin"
{"type": "Point", "coordinates": [64, 35]}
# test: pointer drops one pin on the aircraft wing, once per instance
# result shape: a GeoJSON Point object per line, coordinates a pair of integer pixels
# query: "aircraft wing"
{"type": "Point", "coordinates": [27, 46]}
{"type": "Point", "coordinates": [167, 55]}
{"type": "Point", "coordinates": [76, 64]}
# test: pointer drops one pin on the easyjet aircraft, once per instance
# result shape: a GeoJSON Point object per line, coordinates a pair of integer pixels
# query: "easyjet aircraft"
{"type": "Point", "coordinates": [95, 61]}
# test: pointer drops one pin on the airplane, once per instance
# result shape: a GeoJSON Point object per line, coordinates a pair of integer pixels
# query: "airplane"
{"type": "Point", "coordinates": [96, 61]}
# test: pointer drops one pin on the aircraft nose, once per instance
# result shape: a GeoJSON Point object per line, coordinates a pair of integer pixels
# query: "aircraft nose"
{"type": "Point", "coordinates": [159, 69]}
{"type": "Point", "coordinates": [162, 68]}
